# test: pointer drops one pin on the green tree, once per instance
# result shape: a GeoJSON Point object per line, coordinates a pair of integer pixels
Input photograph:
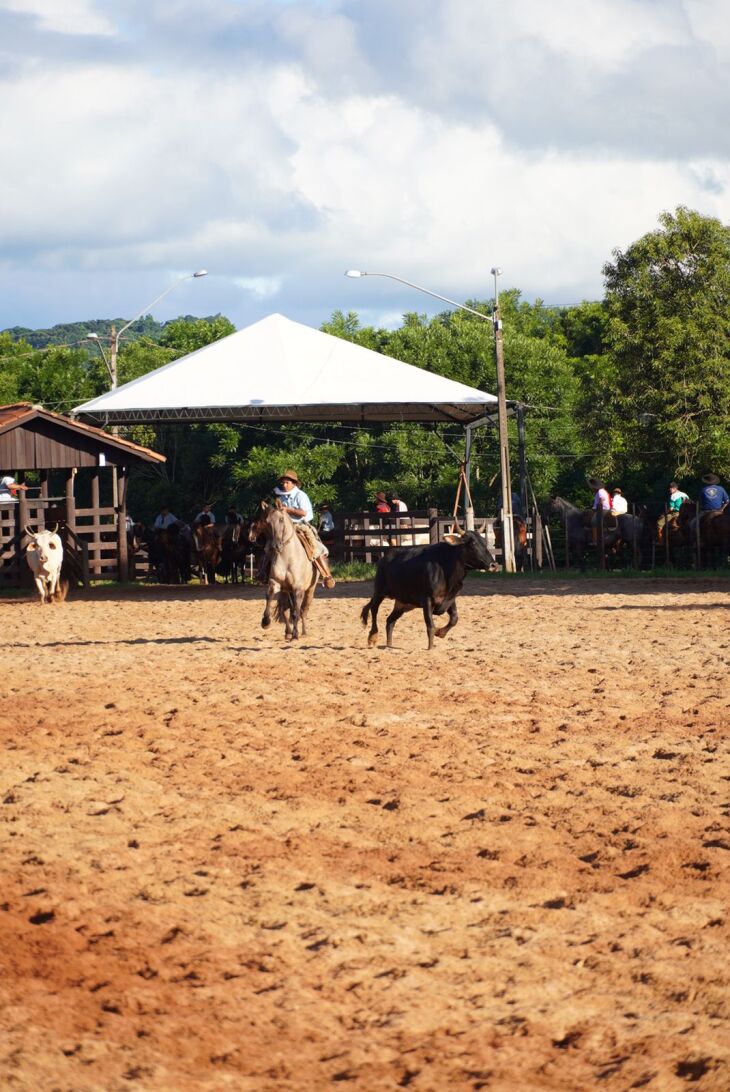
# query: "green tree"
{"type": "Point", "coordinates": [668, 343]}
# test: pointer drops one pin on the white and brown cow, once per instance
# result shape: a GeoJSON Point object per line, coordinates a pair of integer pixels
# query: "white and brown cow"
{"type": "Point", "coordinates": [45, 556]}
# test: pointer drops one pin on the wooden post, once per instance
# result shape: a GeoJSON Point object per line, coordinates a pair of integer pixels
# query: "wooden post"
{"type": "Point", "coordinates": [567, 540]}
{"type": "Point", "coordinates": [699, 538]}
{"type": "Point", "coordinates": [536, 540]}
{"type": "Point", "coordinates": [95, 544]}
{"type": "Point", "coordinates": [70, 499]}
{"type": "Point", "coordinates": [120, 477]}
{"type": "Point", "coordinates": [666, 534]}
{"type": "Point", "coordinates": [43, 499]}
{"type": "Point", "coordinates": [338, 546]}
{"type": "Point", "coordinates": [433, 525]}
{"type": "Point", "coordinates": [634, 558]}
{"type": "Point", "coordinates": [601, 544]}
{"type": "Point", "coordinates": [520, 412]}
{"type": "Point", "coordinates": [23, 514]}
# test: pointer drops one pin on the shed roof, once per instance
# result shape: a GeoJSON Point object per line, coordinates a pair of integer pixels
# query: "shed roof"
{"type": "Point", "coordinates": [34, 438]}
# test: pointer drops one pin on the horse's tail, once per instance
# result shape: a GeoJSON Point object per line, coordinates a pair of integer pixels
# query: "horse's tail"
{"type": "Point", "coordinates": [284, 602]}
{"type": "Point", "coordinates": [365, 612]}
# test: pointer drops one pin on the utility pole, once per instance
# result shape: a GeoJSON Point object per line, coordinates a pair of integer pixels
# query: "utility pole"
{"type": "Point", "coordinates": [508, 538]}
{"type": "Point", "coordinates": [113, 350]}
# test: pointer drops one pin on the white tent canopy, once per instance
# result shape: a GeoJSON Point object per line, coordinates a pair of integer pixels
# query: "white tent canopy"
{"type": "Point", "coordinates": [279, 370]}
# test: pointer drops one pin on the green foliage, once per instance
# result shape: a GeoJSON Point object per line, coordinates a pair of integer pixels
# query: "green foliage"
{"type": "Point", "coordinates": [668, 338]}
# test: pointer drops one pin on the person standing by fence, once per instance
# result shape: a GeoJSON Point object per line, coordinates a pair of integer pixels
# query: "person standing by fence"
{"type": "Point", "coordinates": [8, 489]}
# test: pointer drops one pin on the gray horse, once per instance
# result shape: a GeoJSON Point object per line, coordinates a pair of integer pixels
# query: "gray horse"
{"type": "Point", "coordinates": [292, 577]}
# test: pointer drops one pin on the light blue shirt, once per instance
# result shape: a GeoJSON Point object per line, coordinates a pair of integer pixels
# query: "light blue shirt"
{"type": "Point", "coordinates": [296, 499]}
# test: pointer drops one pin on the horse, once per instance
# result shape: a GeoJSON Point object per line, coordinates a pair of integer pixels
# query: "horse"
{"type": "Point", "coordinates": [520, 539]}
{"type": "Point", "coordinates": [631, 533]}
{"type": "Point", "coordinates": [619, 532]}
{"type": "Point", "coordinates": [577, 523]}
{"type": "Point", "coordinates": [169, 553]}
{"type": "Point", "coordinates": [715, 536]}
{"type": "Point", "coordinates": [677, 536]}
{"type": "Point", "coordinates": [233, 553]}
{"type": "Point", "coordinates": [292, 578]}
{"type": "Point", "coordinates": [206, 551]}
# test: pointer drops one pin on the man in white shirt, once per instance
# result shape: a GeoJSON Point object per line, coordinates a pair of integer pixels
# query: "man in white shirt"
{"type": "Point", "coordinates": [619, 504]}
{"type": "Point", "coordinates": [8, 488]}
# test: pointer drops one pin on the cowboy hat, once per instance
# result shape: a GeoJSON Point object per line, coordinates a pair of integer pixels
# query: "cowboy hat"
{"type": "Point", "coordinates": [596, 483]}
{"type": "Point", "coordinates": [710, 479]}
{"type": "Point", "coordinates": [291, 475]}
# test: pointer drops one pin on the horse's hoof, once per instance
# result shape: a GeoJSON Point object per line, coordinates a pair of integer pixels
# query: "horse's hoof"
{"type": "Point", "coordinates": [372, 640]}
{"type": "Point", "coordinates": [265, 622]}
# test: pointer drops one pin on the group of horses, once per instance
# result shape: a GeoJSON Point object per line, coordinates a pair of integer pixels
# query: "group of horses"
{"type": "Point", "coordinates": [636, 538]}
{"type": "Point", "coordinates": [178, 553]}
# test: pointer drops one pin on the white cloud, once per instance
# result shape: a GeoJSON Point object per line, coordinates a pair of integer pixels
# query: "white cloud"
{"type": "Point", "coordinates": [277, 145]}
{"type": "Point", "coordinates": [62, 16]}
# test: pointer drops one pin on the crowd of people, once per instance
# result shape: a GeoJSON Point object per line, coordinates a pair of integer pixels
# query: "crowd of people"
{"type": "Point", "coordinates": [713, 497]}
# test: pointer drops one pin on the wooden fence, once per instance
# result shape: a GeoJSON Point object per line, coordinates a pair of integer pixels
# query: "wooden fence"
{"type": "Point", "coordinates": [90, 541]}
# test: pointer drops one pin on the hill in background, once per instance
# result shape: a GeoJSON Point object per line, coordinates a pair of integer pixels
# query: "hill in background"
{"type": "Point", "coordinates": [74, 333]}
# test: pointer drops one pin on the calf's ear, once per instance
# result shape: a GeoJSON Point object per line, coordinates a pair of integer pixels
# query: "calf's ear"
{"type": "Point", "coordinates": [453, 539]}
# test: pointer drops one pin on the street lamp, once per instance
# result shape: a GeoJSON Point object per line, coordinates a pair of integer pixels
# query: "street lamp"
{"type": "Point", "coordinates": [508, 548]}
{"type": "Point", "coordinates": [115, 337]}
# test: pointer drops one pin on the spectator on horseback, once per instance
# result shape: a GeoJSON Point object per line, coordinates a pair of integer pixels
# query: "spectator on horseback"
{"type": "Point", "coordinates": [205, 517]}
{"type": "Point", "coordinates": [381, 502]}
{"type": "Point", "coordinates": [713, 497]}
{"type": "Point", "coordinates": [675, 502]}
{"type": "Point", "coordinates": [326, 524]}
{"type": "Point", "coordinates": [601, 498]}
{"type": "Point", "coordinates": [299, 508]}
{"type": "Point", "coordinates": [164, 518]}
{"type": "Point", "coordinates": [619, 504]}
{"type": "Point", "coordinates": [233, 517]}
{"type": "Point", "coordinates": [601, 502]}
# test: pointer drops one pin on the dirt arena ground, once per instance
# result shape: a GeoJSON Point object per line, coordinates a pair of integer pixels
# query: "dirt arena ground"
{"type": "Point", "coordinates": [232, 864]}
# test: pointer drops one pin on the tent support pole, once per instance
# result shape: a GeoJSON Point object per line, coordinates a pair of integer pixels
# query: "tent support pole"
{"type": "Point", "coordinates": [468, 503]}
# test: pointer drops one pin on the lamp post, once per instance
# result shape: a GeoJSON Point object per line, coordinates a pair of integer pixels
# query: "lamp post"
{"type": "Point", "coordinates": [508, 549]}
{"type": "Point", "coordinates": [111, 367]}
{"type": "Point", "coordinates": [115, 337]}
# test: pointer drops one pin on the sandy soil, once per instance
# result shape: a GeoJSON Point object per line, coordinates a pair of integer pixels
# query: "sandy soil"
{"type": "Point", "coordinates": [232, 864]}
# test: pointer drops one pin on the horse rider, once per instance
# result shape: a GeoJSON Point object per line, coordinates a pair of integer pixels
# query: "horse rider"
{"type": "Point", "coordinates": [164, 518]}
{"type": "Point", "coordinates": [299, 508]}
{"type": "Point", "coordinates": [675, 502]}
{"type": "Point", "coordinates": [713, 497]}
{"type": "Point", "coordinates": [206, 516]}
{"type": "Point", "coordinates": [619, 504]}
{"type": "Point", "coordinates": [602, 501]}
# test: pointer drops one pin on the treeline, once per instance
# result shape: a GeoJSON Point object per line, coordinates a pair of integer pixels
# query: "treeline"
{"type": "Point", "coordinates": [634, 387]}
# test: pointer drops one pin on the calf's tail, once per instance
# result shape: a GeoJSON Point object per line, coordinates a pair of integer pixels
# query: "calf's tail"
{"type": "Point", "coordinates": [365, 612]}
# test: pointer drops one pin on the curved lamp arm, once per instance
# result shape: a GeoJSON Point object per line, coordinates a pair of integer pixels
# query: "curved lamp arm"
{"type": "Point", "coordinates": [420, 288]}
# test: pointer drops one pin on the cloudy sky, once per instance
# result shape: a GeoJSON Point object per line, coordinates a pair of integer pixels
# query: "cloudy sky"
{"type": "Point", "coordinates": [277, 144]}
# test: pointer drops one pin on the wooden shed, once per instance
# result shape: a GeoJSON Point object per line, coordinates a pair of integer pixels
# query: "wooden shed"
{"type": "Point", "coordinates": [83, 476]}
